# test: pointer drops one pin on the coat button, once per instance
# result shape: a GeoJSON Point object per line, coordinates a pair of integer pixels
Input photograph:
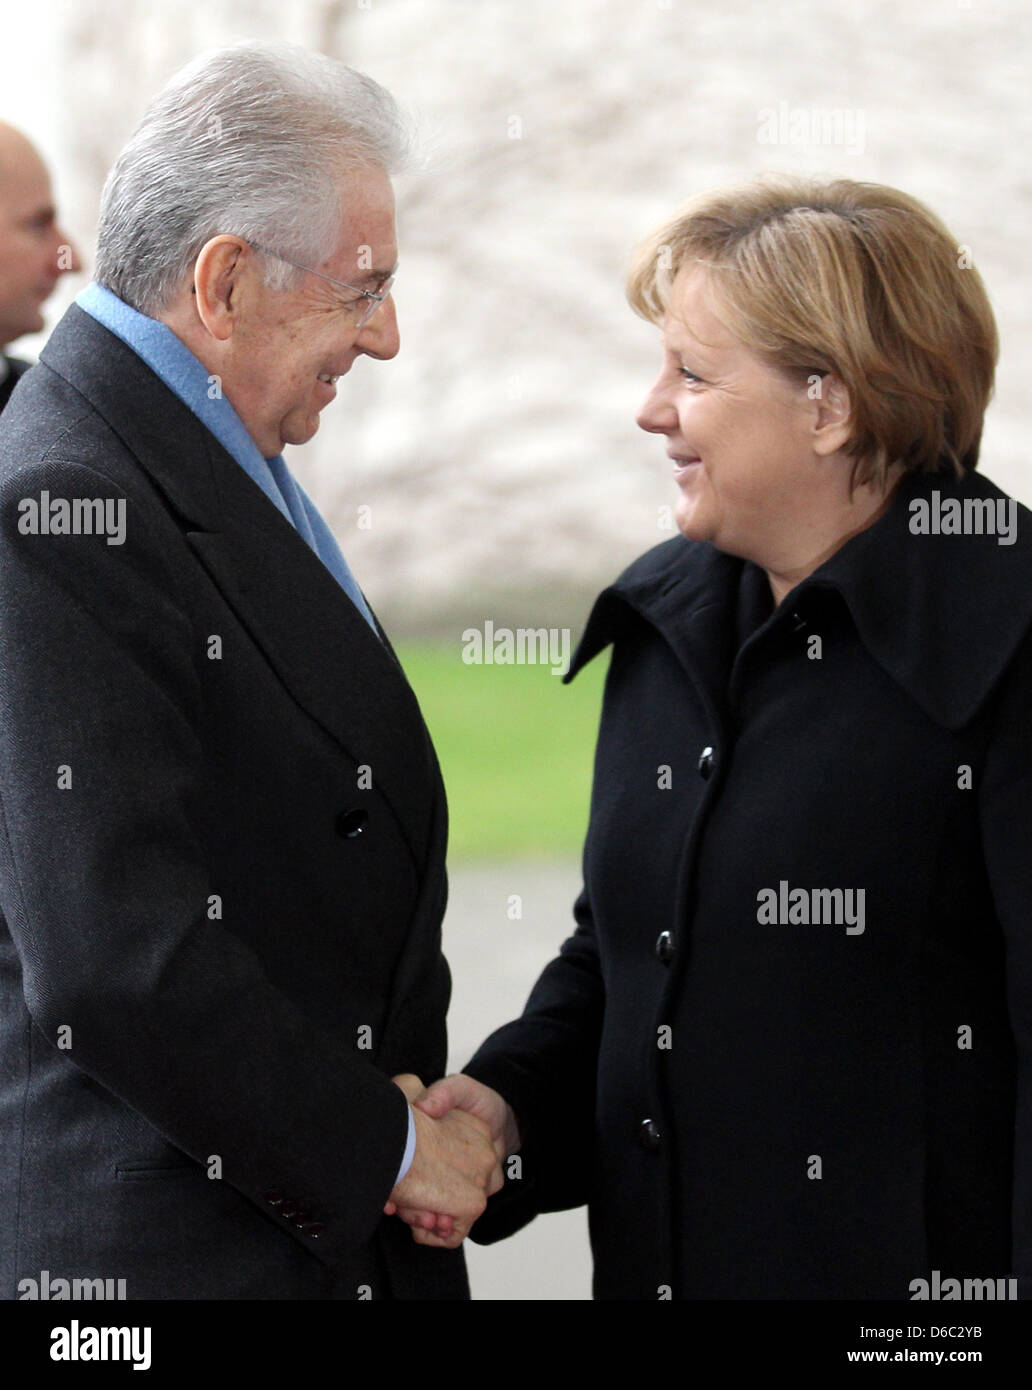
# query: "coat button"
{"type": "Point", "coordinates": [649, 1134]}
{"type": "Point", "coordinates": [275, 1198]}
{"type": "Point", "coordinates": [313, 1229]}
{"type": "Point", "coordinates": [665, 947]}
{"type": "Point", "coordinates": [352, 823]}
{"type": "Point", "coordinates": [706, 763]}
{"type": "Point", "coordinates": [289, 1210]}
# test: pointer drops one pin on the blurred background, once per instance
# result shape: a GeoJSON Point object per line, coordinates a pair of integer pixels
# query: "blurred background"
{"type": "Point", "coordinates": [493, 471]}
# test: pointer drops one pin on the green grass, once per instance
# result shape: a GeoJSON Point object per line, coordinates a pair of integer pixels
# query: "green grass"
{"type": "Point", "coordinates": [515, 747]}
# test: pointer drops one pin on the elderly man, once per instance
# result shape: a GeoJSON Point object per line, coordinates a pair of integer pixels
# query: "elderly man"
{"type": "Point", "coordinates": [222, 825]}
{"type": "Point", "coordinates": [34, 251]}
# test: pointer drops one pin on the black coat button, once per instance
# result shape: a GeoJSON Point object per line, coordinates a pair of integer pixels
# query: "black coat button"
{"type": "Point", "coordinates": [665, 947]}
{"type": "Point", "coordinates": [649, 1134]}
{"type": "Point", "coordinates": [275, 1198]}
{"type": "Point", "coordinates": [289, 1210]}
{"type": "Point", "coordinates": [706, 763]}
{"type": "Point", "coordinates": [313, 1229]}
{"type": "Point", "coordinates": [352, 823]}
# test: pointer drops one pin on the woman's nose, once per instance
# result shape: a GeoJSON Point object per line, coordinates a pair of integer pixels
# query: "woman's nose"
{"type": "Point", "coordinates": [657, 413]}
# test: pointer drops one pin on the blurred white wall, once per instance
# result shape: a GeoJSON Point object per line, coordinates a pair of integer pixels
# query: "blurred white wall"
{"type": "Point", "coordinates": [499, 453]}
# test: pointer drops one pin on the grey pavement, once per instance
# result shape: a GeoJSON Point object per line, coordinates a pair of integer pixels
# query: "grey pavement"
{"type": "Point", "coordinates": [495, 958]}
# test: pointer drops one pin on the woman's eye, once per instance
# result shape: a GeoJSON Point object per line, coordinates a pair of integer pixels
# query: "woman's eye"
{"type": "Point", "coordinates": [686, 374]}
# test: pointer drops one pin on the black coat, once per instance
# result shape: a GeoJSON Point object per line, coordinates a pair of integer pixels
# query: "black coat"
{"type": "Point", "coordinates": [218, 940]}
{"type": "Point", "coordinates": [834, 1112]}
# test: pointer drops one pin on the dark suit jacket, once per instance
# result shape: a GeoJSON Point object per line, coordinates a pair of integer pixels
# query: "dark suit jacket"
{"type": "Point", "coordinates": [15, 368]}
{"type": "Point", "coordinates": [792, 1108]}
{"type": "Point", "coordinates": [218, 941]}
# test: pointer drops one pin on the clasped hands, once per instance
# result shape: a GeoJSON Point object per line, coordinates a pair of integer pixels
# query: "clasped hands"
{"type": "Point", "coordinates": [464, 1132]}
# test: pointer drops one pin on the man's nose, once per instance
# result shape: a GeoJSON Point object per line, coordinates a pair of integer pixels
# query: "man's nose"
{"type": "Point", "coordinates": [379, 336]}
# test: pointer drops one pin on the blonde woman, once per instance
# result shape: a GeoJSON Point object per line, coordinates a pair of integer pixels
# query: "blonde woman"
{"type": "Point", "coordinates": [787, 1052]}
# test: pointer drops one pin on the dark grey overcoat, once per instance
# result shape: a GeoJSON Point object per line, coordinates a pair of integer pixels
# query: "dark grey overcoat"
{"type": "Point", "coordinates": [222, 836]}
{"type": "Point", "coordinates": [788, 1051]}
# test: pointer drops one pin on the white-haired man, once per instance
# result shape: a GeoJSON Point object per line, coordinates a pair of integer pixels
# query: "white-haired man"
{"type": "Point", "coordinates": [223, 827]}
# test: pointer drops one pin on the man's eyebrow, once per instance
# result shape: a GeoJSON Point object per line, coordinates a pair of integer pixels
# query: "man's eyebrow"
{"type": "Point", "coordinates": [372, 277]}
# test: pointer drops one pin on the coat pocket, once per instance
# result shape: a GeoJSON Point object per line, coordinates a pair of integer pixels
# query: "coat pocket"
{"type": "Point", "coordinates": [154, 1172]}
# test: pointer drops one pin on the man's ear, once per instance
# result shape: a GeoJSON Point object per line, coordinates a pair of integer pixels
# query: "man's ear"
{"type": "Point", "coordinates": [833, 419]}
{"type": "Point", "coordinates": [216, 279]}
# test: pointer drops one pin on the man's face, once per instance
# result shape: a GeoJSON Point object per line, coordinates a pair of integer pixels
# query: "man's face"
{"type": "Point", "coordinates": [31, 242]}
{"type": "Point", "coordinates": [285, 341]}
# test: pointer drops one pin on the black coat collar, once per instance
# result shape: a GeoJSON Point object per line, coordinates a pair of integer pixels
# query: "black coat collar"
{"type": "Point", "coordinates": [150, 419]}
{"type": "Point", "coordinates": [943, 615]}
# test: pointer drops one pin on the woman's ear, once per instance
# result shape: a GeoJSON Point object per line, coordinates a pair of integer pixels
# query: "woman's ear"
{"type": "Point", "coordinates": [833, 419]}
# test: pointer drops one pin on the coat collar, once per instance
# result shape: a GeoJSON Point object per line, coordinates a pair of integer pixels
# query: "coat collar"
{"type": "Point", "coordinates": [178, 453]}
{"type": "Point", "coordinates": [312, 634]}
{"type": "Point", "coordinates": [942, 614]}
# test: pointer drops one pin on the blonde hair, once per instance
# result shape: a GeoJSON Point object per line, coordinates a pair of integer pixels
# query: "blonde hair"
{"type": "Point", "coordinates": [855, 279]}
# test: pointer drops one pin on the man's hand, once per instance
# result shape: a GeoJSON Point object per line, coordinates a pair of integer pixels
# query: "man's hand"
{"type": "Point", "coordinates": [455, 1170]}
{"type": "Point", "coordinates": [453, 1094]}
{"type": "Point", "coordinates": [461, 1092]}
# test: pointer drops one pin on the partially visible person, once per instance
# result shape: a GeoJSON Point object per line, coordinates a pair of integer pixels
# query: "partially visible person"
{"type": "Point", "coordinates": [787, 1053]}
{"type": "Point", "coordinates": [34, 251]}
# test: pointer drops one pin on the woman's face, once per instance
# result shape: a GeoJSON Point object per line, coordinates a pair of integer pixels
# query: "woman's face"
{"type": "Point", "coordinates": [753, 453]}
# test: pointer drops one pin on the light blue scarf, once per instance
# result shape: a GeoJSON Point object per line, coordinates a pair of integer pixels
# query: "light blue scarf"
{"type": "Point", "coordinates": [182, 373]}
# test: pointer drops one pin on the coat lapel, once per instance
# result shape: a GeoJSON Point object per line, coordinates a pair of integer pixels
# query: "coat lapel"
{"type": "Point", "coordinates": [926, 605]}
{"type": "Point", "coordinates": [689, 592]}
{"type": "Point", "coordinates": [313, 636]}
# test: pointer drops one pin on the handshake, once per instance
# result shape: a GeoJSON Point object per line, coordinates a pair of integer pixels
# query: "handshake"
{"type": "Point", "coordinates": [464, 1132]}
